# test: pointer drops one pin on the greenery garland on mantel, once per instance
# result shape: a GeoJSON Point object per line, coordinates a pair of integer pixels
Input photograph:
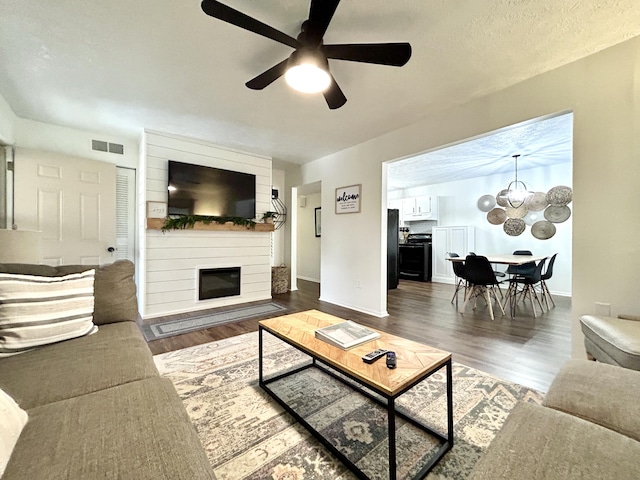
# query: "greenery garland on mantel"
{"type": "Point", "coordinates": [188, 221]}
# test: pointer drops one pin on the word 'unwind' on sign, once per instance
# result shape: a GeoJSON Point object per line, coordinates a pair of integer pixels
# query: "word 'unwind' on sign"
{"type": "Point", "coordinates": [348, 199]}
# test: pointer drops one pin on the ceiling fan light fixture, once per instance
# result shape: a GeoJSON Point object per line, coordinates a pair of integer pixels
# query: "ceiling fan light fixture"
{"type": "Point", "coordinates": [308, 71]}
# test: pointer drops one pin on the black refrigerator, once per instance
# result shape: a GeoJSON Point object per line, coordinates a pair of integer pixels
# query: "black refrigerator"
{"type": "Point", "coordinates": [393, 248]}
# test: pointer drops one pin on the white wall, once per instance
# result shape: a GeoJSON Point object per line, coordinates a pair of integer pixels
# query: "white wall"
{"type": "Point", "coordinates": [169, 261]}
{"type": "Point", "coordinates": [458, 206]}
{"type": "Point", "coordinates": [7, 123]}
{"type": "Point", "coordinates": [602, 90]}
{"type": "Point", "coordinates": [278, 236]}
{"type": "Point", "coordinates": [77, 143]}
{"type": "Point", "coordinates": [308, 265]}
{"type": "Point", "coordinates": [351, 244]}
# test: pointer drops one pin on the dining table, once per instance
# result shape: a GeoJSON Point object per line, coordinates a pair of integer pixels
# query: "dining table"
{"type": "Point", "coordinates": [507, 259]}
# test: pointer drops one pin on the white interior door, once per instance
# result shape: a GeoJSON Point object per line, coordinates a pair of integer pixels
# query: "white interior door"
{"type": "Point", "coordinates": [72, 201]}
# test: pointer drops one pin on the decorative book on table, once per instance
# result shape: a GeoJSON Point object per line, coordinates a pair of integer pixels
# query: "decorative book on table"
{"type": "Point", "coordinates": [346, 334]}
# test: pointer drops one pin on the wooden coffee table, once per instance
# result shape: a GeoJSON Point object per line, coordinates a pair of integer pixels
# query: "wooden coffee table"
{"type": "Point", "coordinates": [415, 362]}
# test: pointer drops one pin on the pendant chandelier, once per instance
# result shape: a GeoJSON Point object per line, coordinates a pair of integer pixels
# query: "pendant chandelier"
{"type": "Point", "coordinates": [516, 194]}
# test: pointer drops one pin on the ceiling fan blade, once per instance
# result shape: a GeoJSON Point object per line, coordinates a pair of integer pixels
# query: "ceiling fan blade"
{"type": "Point", "coordinates": [394, 54]}
{"type": "Point", "coordinates": [320, 15]}
{"type": "Point", "coordinates": [334, 96]}
{"type": "Point", "coordinates": [227, 14]}
{"type": "Point", "coordinates": [268, 77]}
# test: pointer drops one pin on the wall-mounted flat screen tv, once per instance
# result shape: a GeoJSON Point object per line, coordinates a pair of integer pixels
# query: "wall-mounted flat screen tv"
{"type": "Point", "coordinates": [198, 190]}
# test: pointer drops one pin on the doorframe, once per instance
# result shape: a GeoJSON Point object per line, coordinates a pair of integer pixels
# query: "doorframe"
{"type": "Point", "coordinates": [313, 187]}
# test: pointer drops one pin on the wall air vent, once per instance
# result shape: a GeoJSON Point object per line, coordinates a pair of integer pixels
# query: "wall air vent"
{"type": "Point", "coordinates": [101, 146]}
{"type": "Point", "coordinates": [116, 148]}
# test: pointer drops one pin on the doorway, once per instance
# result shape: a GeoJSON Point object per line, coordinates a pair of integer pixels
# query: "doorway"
{"type": "Point", "coordinates": [462, 174]}
{"type": "Point", "coordinates": [306, 249]}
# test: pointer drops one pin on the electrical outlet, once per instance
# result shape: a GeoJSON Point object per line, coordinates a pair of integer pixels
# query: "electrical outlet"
{"type": "Point", "coordinates": [603, 309]}
{"type": "Point", "coordinates": [358, 283]}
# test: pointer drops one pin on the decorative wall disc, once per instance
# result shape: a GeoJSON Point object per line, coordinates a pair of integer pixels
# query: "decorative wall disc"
{"type": "Point", "coordinates": [514, 226]}
{"type": "Point", "coordinates": [486, 202]}
{"type": "Point", "coordinates": [501, 198]}
{"type": "Point", "coordinates": [537, 202]}
{"type": "Point", "coordinates": [496, 216]}
{"type": "Point", "coordinates": [557, 214]}
{"type": "Point", "coordinates": [532, 217]}
{"type": "Point", "coordinates": [519, 212]}
{"type": "Point", "coordinates": [559, 196]}
{"type": "Point", "coordinates": [543, 230]}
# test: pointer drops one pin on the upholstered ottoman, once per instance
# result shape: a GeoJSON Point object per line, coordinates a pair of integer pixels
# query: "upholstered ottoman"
{"type": "Point", "coordinates": [613, 340]}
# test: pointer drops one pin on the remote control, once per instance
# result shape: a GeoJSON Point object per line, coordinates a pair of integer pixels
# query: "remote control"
{"type": "Point", "coordinates": [373, 356]}
{"type": "Point", "coordinates": [391, 359]}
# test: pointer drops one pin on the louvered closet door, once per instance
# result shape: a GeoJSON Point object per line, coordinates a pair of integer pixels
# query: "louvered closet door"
{"type": "Point", "coordinates": [125, 213]}
{"type": "Point", "coordinates": [72, 201]}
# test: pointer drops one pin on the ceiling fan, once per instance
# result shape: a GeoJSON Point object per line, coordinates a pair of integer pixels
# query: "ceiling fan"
{"type": "Point", "coordinates": [307, 69]}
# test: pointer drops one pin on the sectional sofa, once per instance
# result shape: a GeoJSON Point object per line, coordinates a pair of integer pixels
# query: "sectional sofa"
{"type": "Point", "coordinates": [588, 429]}
{"type": "Point", "coordinates": [96, 405]}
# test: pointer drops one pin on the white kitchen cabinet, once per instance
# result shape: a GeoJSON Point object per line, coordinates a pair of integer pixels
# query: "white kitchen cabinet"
{"type": "Point", "coordinates": [460, 240]}
{"type": "Point", "coordinates": [424, 207]}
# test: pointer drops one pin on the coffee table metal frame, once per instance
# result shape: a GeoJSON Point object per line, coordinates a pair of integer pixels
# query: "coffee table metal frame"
{"type": "Point", "coordinates": [389, 404]}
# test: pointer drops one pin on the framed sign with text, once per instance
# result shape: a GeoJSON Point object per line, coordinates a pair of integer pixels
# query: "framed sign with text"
{"type": "Point", "coordinates": [348, 199]}
{"type": "Point", "coordinates": [156, 210]}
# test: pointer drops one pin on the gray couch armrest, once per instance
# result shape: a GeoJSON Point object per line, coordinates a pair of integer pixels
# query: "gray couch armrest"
{"type": "Point", "coordinates": [538, 443]}
{"type": "Point", "coordinates": [600, 393]}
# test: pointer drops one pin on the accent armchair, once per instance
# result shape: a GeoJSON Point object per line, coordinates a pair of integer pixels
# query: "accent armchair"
{"type": "Point", "coordinates": [613, 340]}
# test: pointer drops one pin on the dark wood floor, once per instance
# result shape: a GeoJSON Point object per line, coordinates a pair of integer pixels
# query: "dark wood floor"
{"type": "Point", "coordinates": [523, 349]}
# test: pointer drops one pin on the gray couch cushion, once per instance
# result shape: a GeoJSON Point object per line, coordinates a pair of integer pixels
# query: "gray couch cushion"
{"type": "Point", "coordinates": [600, 393]}
{"type": "Point", "coordinates": [612, 340]}
{"type": "Point", "coordinates": [114, 287]}
{"type": "Point", "coordinates": [116, 354]}
{"type": "Point", "coordinates": [137, 431]}
{"type": "Point", "coordinates": [539, 443]}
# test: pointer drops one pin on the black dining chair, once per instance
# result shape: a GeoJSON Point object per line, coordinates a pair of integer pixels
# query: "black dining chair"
{"type": "Point", "coordinates": [521, 270]}
{"type": "Point", "coordinates": [543, 281]}
{"type": "Point", "coordinates": [520, 286]}
{"type": "Point", "coordinates": [482, 282]}
{"type": "Point", "coordinates": [461, 282]}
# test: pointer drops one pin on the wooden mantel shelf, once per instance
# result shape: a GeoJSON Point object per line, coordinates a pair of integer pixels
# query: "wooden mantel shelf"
{"type": "Point", "coordinates": [156, 224]}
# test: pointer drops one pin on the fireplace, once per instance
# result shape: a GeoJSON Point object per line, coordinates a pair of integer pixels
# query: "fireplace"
{"type": "Point", "coordinates": [218, 282]}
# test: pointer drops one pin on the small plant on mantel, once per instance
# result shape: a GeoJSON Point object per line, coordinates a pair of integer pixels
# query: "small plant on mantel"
{"type": "Point", "coordinates": [269, 217]}
{"type": "Point", "coordinates": [188, 221]}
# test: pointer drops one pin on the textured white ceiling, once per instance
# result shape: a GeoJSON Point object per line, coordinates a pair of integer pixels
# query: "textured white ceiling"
{"type": "Point", "coordinates": [119, 66]}
{"type": "Point", "coordinates": [540, 143]}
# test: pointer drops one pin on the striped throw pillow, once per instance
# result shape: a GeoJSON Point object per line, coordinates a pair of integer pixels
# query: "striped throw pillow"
{"type": "Point", "coordinates": [37, 311]}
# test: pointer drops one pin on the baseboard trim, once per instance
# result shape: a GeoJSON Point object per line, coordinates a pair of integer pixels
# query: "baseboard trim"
{"type": "Point", "coordinates": [308, 279]}
{"type": "Point", "coordinates": [356, 309]}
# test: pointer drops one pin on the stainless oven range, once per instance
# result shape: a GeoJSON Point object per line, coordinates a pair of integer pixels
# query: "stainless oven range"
{"type": "Point", "coordinates": [415, 257]}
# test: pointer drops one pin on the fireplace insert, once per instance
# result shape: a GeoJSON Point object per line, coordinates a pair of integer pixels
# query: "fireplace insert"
{"type": "Point", "coordinates": [218, 282]}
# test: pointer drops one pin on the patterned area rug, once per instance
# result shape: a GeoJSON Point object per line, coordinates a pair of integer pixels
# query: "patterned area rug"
{"type": "Point", "coordinates": [247, 435]}
{"type": "Point", "coordinates": [170, 328]}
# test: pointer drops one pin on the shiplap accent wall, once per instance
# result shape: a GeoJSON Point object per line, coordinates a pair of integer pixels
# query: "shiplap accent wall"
{"type": "Point", "coordinates": [168, 283]}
